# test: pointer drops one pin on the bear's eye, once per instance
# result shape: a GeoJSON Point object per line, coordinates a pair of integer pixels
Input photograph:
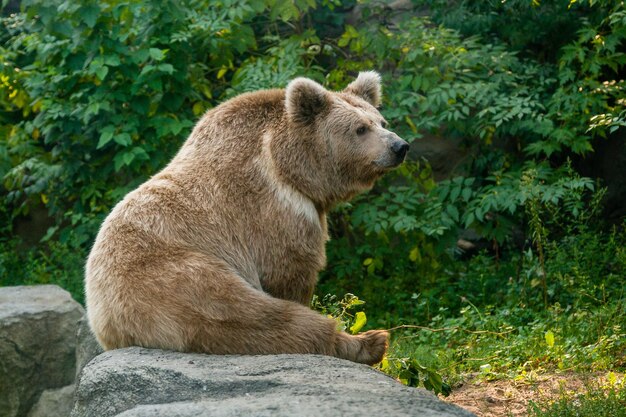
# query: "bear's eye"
{"type": "Point", "coordinates": [361, 130]}
{"type": "Point", "coordinates": [384, 124]}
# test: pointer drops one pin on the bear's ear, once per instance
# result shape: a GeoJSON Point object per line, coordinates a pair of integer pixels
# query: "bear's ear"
{"type": "Point", "coordinates": [366, 86]}
{"type": "Point", "coordinates": [305, 100]}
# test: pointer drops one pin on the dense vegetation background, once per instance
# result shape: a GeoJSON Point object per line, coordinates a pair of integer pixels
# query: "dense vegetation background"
{"type": "Point", "coordinates": [501, 254]}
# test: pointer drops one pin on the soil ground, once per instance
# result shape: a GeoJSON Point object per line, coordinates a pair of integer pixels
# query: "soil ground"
{"type": "Point", "coordinates": [511, 398]}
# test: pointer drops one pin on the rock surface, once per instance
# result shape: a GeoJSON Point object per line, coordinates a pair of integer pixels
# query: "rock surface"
{"type": "Point", "coordinates": [54, 403]}
{"type": "Point", "coordinates": [138, 382]}
{"type": "Point", "coordinates": [87, 346]}
{"type": "Point", "coordinates": [37, 344]}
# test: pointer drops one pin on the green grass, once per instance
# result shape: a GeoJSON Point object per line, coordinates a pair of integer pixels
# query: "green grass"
{"type": "Point", "coordinates": [596, 401]}
{"type": "Point", "coordinates": [510, 343]}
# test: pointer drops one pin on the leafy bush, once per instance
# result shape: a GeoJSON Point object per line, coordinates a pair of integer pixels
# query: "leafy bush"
{"type": "Point", "coordinates": [348, 311]}
{"type": "Point", "coordinates": [52, 263]}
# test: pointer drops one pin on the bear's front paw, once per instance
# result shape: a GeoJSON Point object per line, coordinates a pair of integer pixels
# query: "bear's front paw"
{"type": "Point", "coordinates": [373, 346]}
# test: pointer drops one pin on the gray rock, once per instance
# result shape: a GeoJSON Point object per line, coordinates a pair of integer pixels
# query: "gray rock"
{"type": "Point", "coordinates": [87, 347]}
{"type": "Point", "coordinates": [138, 382]}
{"type": "Point", "coordinates": [389, 13]}
{"type": "Point", "coordinates": [54, 403]}
{"type": "Point", "coordinates": [37, 344]}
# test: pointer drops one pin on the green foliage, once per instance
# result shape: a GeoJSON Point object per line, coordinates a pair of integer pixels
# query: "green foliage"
{"type": "Point", "coordinates": [441, 81]}
{"type": "Point", "coordinates": [487, 94]}
{"type": "Point", "coordinates": [283, 61]}
{"type": "Point", "coordinates": [500, 328]}
{"type": "Point", "coordinates": [346, 311]}
{"type": "Point", "coordinates": [411, 372]}
{"type": "Point", "coordinates": [596, 400]}
{"type": "Point", "coordinates": [530, 27]}
{"type": "Point", "coordinates": [407, 370]}
{"type": "Point", "coordinates": [52, 263]}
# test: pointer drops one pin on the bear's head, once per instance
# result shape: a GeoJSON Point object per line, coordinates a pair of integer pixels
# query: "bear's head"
{"type": "Point", "coordinates": [339, 143]}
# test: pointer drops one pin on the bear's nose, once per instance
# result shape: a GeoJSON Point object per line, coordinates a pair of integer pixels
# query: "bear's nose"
{"type": "Point", "coordinates": [400, 148]}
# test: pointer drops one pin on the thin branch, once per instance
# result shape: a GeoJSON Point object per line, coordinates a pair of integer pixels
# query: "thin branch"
{"type": "Point", "coordinates": [446, 329]}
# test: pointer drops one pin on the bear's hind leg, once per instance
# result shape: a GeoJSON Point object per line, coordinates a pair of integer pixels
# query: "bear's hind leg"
{"type": "Point", "coordinates": [235, 318]}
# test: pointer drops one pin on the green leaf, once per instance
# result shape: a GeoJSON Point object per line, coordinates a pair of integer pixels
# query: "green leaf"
{"type": "Point", "coordinates": [435, 381]}
{"type": "Point", "coordinates": [102, 72]}
{"type": "Point", "coordinates": [140, 153]}
{"type": "Point", "coordinates": [176, 127]}
{"type": "Point", "coordinates": [257, 5]}
{"type": "Point", "coordinates": [123, 139]}
{"type": "Point", "coordinates": [89, 14]}
{"type": "Point", "coordinates": [156, 54]}
{"type": "Point", "coordinates": [453, 212]}
{"type": "Point", "coordinates": [359, 322]}
{"type": "Point", "coordinates": [454, 194]}
{"type": "Point", "coordinates": [140, 56]}
{"type": "Point", "coordinates": [118, 161]}
{"type": "Point", "coordinates": [105, 136]}
{"type": "Point", "coordinates": [549, 338]}
{"type": "Point", "coordinates": [51, 231]}
{"type": "Point", "coordinates": [469, 220]}
{"type": "Point", "coordinates": [112, 60]}
{"type": "Point", "coordinates": [128, 157]}
{"type": "Point", "coordinates": [480, 214]}
{"type": "Point", "coordinates": [466, 194]}
{"type": "Point", "coordinates": [166, 68]}
{"type": "Point", "coordinates": [147, 69]}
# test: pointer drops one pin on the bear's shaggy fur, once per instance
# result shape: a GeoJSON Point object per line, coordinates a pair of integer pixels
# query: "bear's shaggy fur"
{"type": "Point", "coordinates": [219, 252]}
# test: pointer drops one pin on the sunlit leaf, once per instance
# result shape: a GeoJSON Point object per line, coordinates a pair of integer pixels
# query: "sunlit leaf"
{"type": "Point", "coordinates": [549, 336]}
{"type": "Point", "coordinates": [359, 322]}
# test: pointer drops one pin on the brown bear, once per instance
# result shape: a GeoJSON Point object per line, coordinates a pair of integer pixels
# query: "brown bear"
{"type": "Point", "coordinates": [219, 252]}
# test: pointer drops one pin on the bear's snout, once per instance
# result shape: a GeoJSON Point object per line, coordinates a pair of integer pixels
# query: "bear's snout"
{"type": "Point", "coordinates": [400, 148]}
{"type": "Point", "coordinates": [393, 152]}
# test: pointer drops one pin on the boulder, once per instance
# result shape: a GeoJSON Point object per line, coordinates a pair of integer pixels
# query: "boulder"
{"type": "Point", "coordinates": [136, 382]}
{"type": "Point", "coordinates": [388, 13]}
{"type": "Point", "coordinates": [87, 347]}
{"type": "Point", "coordinates": [37, 344]}
{"type": "Point", "coordinates": [54, 403]}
